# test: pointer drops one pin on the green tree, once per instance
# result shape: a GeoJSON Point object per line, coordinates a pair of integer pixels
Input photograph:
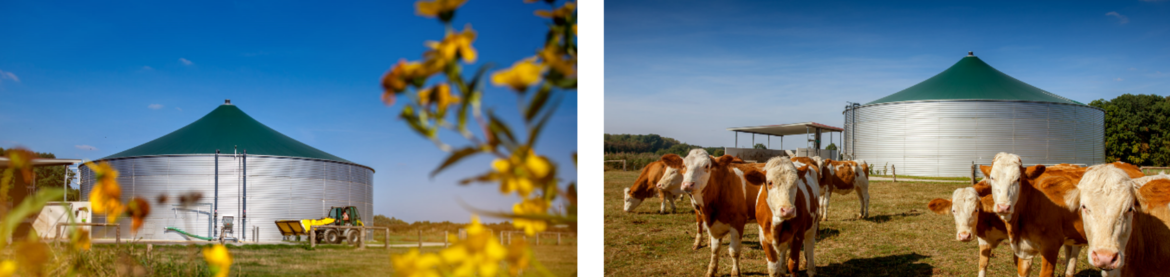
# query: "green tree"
{"type": "Point", "coordinates": [760, 146]}
{"type": "Point", "coordinates": [1136, 130]}
{"type": "Point", "coordinates": [831, 146]}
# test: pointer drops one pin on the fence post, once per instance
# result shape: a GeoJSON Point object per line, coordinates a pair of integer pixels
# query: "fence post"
{"type": "Point", "coordinates": [537, 238]}
{"type": "Point", "coordinates": [895, 172]}
{"type": "Point", "coordinates": [972, 172]}
{"type": "Point", "coordinates": [501, 236]}
{"type": "Point", "coordinates": [387, 238]}
{"type": "Point", "coordinates": [509, 238]}
{"type": "Point", "coordinates": [361, 238]}
{"type": "Point", "coordinates": [312, 238]}
{"type": "Point", "coordinates": [445, 235]}
{"type": "Point", "coordinates": [118, 234]}
{"type": "Point", "coordinates": [419, 239]}
{"type": "Point", "coordinates": [558, 238]}
{"type": "Point", "coordinates": [623, 165]}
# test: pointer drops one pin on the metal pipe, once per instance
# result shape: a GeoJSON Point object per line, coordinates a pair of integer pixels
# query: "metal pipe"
{"type": "Point", "coordinates": [215, 208]}
{"type": "Point", "coordinates": [244, 211]}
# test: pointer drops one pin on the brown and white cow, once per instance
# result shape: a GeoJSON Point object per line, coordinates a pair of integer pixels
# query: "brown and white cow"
{"type": "Point", "coordinates": [843, 177]}
{"type": "Point", "coordinates": [721, 192]}
{"type": "Point", "coordinates": [1038, 208]}
{"type": "Point", "coordinates": [735, 162]}
{"type": "Point", "coordinates": [786, 210]}
{"type": "Point", "coordinates": [661, 177]}
{"type": "Point", "coordinates": [1127, 221]}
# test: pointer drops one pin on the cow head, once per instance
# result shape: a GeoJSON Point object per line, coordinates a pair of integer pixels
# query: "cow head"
{"type": "Point", "coordinates": [631, 201]}
{"type": "Point", "coordinates": [672, 177]}
{"type": "Point", "coordinates": [1107, 204]}
{"type": "Point", "coordinates": [698, 170]}
{"type": "Point", "coordinates": [782, 181]}
{"type": "Point", "coordinates": [1005, 174]}
{"type": "Point", "coordinates": [965, 206]}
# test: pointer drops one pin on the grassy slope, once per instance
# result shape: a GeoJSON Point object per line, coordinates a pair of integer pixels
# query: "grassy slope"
{"type": "Point", "coordinates": [901, 238]}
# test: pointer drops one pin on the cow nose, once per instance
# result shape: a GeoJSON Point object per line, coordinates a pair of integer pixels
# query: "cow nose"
{"type": "Point", "coordinates": [964, 236]}
{"type": "Point", "coordinates": [787, 212]}
{"type": "Point", "coordinates": [688, 186]}
{"type": "Point", "coordinates": [1104, 259]}
{"type": "Point", "coordinates": [1002, 208]}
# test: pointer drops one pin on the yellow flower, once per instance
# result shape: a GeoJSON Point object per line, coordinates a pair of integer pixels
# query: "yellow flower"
{"type": "Point", "coordinates": [218, 259]}
{"type": "Point", "coordinates": [562, 12]}
{"type": "Point", "coordinates": [437, 7]}
{"type": "Point", "coordinates": [7, 268]}
{"type": "Point", "coordinates": [533, 206]}
{"type": "Point", "coordinates": [21, 159]}
{"type": "Point", "coordinates": [106, 195]}
{"type": "Point", "coordinates": [479, 255]}
{"type": "Point", "coordinates": [139, 208]}
{"type": "Point", "coordinates": [414, 264]}
{"type": "Point", "coordinates": [522, 74]}
{"type": "Point", "coordinates": [453, 46]}
{"type": "Point", "coordinates": [557, 61]}
{"type": "Point", "coordinates": [81, 239]}
{"type": "Point", "coordinates": [522, 172]}
{"type": "Point", "coordinates": [33, 256]}
{"type": "Point", "coordinates": [403, 74]}
{"type": "Point", "coordinates": [518, 257]}
{"type": "Point", "coordinates": [439, 95]}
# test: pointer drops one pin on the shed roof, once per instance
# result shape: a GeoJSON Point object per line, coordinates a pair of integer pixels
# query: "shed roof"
{"type": "Point", "coordinates": [973, 79]}
{"type": "Point", "coordinates": [786, 129]}
{"type": "Point", "coordinates": [225, 127]}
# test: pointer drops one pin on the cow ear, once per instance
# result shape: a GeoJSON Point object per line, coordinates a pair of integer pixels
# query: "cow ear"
{"type": "Point", "coordinates": [982, 188]}
{"type": "Point", "coordinates": [940, 206]}
{"type": "Point", "coordinates": [724, 160]}
{"type": "Point", "coordinates": [985, 169]}
{"type": "Point", "coordinates": [672, 160]}
{"type": "Point", "coordinates": [1034, 171]}
{"type": "Point", "coordinates": [736, 160]}
{"type": "Point", "coordinates": [755, 177]}
{"type": "Point", "coordinates": [800, 172]}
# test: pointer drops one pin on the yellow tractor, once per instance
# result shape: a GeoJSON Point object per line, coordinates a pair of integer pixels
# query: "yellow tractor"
{"type": "Point", "coordinates": [338, 216]}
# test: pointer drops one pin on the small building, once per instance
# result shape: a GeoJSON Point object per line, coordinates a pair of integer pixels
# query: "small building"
{"type": "Point", "coordinates": [967, 114]}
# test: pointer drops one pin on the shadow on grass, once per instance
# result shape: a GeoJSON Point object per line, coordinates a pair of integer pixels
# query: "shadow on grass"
{"type": "Point", "coordinates": [1089, 273]}
{"type": "Point", "coordinates": [826, 233]}
{"type": "Point", "coordinates": [886, 217]}
{"type": "Point", "coordinates": [894, 265]}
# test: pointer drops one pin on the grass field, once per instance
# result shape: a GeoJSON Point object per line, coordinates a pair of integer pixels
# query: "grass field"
{"type": "Point", "coordinates": [290, 260]}
{"type": "Point", "coordinates": [900, 238]}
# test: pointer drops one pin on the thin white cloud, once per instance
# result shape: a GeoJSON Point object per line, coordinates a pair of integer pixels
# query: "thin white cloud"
{"type": "Point", "coordinates": [155, 106]}
{"type": "Point", "coordinates": [9, 76]}
{"type": "Point", "coordinates": [185, 61]}
{"type": "Point", "coordinates": [85, 147]}
{"type": "Point", "coordinates": [147, 68]}
{"type": "Point", "coordinates": [1119, 79]}
{"type": "Point", "coordinates": [1121, 18]}
{"type": "Point", "coordinates": [180, 109]}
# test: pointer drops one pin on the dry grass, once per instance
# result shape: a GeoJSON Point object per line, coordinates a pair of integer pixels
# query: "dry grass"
{"type": "Point", "coordinates": [900, 238]}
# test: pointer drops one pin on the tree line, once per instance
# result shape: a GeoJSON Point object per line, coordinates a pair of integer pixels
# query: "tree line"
{"type": "Point", "coordinates": [652, 143]}
{"type": "Point", "coordinates": [1136, 129]}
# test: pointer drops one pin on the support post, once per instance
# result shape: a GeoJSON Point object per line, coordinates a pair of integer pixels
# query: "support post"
{"type": "Point", "coordinates": [387, 238]}
{"type": "Point", "coordinates": [215, 209]}
{"type": "Point", "coordinates": [361, 238]}
{"type": "Point", "coordinates": [558, 238]}
{"type": "Point", "coordinates": [244, 210]}
{"type": "Point", "coordinates": [894, 170]}
{"type": "Point", "coordinates": [419, 239]}
{"type": "Point", "coordinates": [312, 238]}
{"type": "Point", "coordinates": [737, 139]}
{"type": "Point", "coordinates": [118, 234]}
{"type": "Point", "coordinates": [972, 172]}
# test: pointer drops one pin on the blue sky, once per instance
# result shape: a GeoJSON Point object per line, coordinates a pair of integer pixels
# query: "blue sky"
{"type": "Point", "coordinates": [690, 69]}
{"type": "Point", "coordinates": [90, 79]}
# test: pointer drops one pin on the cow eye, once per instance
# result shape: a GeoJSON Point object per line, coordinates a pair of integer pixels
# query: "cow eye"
{"type": "Point", "coordinates": [1130, 209]}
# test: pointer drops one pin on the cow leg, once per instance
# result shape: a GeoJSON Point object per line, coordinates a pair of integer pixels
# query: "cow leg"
{"type": "Point", "coordinates": [662, 206]}
{"type": "Point", "coordinates": [824, 205]}
{"type": "Point", "coordinates": [716, 244]}
{"type": "Point", "coordinates": [984, 256]}
{"type": "Point", "coordinates": [1023, 266]}
{"type": "Point", "coordinates": [1047, 262]}
{"type": "Point", "coordinates": [769, 254]}
{"type": "Point", "coordinates": [699, 230]}
{"type": "Point", "coordinates": [1070, 259]}
{"type": "Point", "coordinates": [810, 241]}
{"type": "Point", "coordinates": [794, 248]}
{"type": "Point", "coordinates": [863, 197]}
{"type": "Point", "coordinates": [733, 249]}
{"type": "Point", "coordinates": [782, 258]}
{"type": "Point", "coordinates": [672, 198]}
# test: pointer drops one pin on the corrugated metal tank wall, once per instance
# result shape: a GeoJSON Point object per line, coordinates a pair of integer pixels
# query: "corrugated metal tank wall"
{"type": "Point", "coordinates": [942, 138]}
{"type": "Point", "coordinates": [278, 188]}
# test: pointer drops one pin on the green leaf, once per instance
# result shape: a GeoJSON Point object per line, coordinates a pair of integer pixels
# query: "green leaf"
{"type": "Point", "coordinates": [537, 102]}
{"type": "Point", "coordinates": [498, 128]}
{"type": "Point", "coordinates": [455, 157]}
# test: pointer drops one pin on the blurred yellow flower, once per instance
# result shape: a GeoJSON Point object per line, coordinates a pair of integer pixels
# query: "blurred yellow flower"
{"type": "Point", "coordinates": [522, 172]}
{"type": "Point", "coordinates": [533, 206]}
{"type": "Point", "coordinates": [21, 159]}
{"type": "Point", "coordinates": [413, 264]}
{"type": "Point", "coordinates": [106, 195]}
{"type": "Point", "coordinates": [453, 46]}
{"type": "Point", "coordinates": [403, 74]}
{"type": "Point", "coordinates": [33, 256]}
{"type": "Point", "coordinates": [518, 257]}
{"type": "Point", "coordinates": [218, 259]}
{"type": "Point", "coordinates": [81, 240]}
{"type": "Point", "coordinates": [7, 268]}
{"type": "Point", "coordinates": [557, 61]}
{"type": "Point", "coordinates": [479, 255]}
{"type": "Point", "coordinates": [439, 95]}
{"type": "Point", "coordinates": [436, 7]}
{"type": "Point", "coordinates": [562, 12]}
{"type": "Point", "coordinates": [522, 74]}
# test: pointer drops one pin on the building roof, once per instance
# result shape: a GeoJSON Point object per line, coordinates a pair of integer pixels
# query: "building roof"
{"type": "Point", "coordinates": [786, 129]}
{"type": "Point", "coordinates": [42, 162]}
{"type": "Point", "coordinates": [973, 79]}
{"type": "Point", "coordinates": [224, 128]}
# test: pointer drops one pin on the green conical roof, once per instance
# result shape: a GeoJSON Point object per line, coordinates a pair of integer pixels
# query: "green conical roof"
{"type": "Point", "coordinates": [973, 79]}
{"type": "Point", "coordinates": [223, 128]}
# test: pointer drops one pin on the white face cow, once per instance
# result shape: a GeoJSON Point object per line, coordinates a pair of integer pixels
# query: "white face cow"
{"type": "Point", "coordinates": [631, 201]}
{"type": "Point", "coordinates": [783, 184]}
{"type": "Point", "coordinates": [672, 178]}
{"type": "Point", "coordinates": [965, 206]}
{"type": "Point", "coordinates": [1004, 176]}
{"type": "Point", "coordinates": [1108, 201]}
{"type": "Point", "coordinates": [698, 171]}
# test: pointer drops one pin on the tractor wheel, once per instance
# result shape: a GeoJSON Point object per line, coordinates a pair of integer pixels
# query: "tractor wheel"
{"type": "Point", "coordinates": [331, 236]}
{"type": "Point", "coordinates": [352, 236]}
